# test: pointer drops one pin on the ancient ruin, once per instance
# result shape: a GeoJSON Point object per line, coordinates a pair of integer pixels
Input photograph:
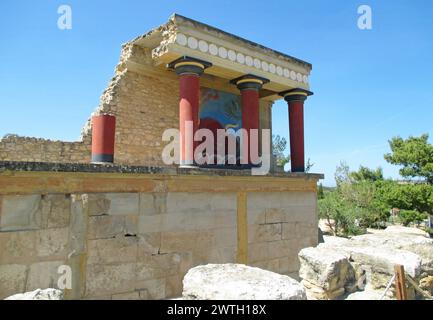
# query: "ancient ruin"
{"type": "Point", "coordinates": [127, 224]}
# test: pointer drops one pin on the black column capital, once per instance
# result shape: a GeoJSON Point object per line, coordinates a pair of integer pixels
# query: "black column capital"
{"type": "Point", "coordinates": [249, 81]}
{"type": "Point", "coordinates": [189, 65]}
{"type": "Point", "coordinates": [296, 94]}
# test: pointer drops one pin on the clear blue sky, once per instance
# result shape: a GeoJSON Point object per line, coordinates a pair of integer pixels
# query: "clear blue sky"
{"type": "Point", "coordinates": [369, 85]}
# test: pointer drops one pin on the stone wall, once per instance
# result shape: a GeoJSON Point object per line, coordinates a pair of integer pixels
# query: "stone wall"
{"type": "Point", "coordinates": [139, 244]}
{"type": "Point", "coordinates": [144, 103]}
{"type": "Point", "coordinates": [16, 148]}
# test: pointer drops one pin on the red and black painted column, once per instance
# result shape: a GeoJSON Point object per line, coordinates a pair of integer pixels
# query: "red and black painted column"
{"type": "Point", "coordinates": [249, 86]}
{"type": "Point", "coordinates": [103, 132]}
{"type": "Point", "coordinates": [189, 71]}
{"type": "Point", "coordinates": [295, 99]}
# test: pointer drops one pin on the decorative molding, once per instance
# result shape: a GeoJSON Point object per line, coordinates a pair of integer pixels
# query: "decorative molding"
{"type": "Point", "coordinates": [230, 54]}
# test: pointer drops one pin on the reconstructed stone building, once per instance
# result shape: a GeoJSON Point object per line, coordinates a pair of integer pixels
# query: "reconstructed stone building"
{"type": "Point", "coordinates": [128, 224]}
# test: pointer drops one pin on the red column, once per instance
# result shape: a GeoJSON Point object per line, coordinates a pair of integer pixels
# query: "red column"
{"type": "Point", "coordinates": [250, 117]}
{"type": "Point", "coordinates": [188, 112]}
{"type": "Point", "coordinates": [249, 85]}
{"type": "Point", "coordinates": [296, 128]}
{"type": "Point", "coordinates": [103, 132]}
{"type": "Point", "coordinates": [295, 99]}
{"type": "Point", "coordinates": [189, 71]}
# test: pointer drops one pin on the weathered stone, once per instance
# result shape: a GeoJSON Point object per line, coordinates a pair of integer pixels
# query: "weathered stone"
{"type": "Point", "coordinates": [105, 226]}
{"type": "Point", "coordinates": [406, 230]}
{"type": "Point", "coordinates": [427, 284]}
{"type": "Point", "coordinates": [373, 257]}
{"type": "Point", "coordinates": [325, 268]}
{"type": "Point", "coordinates": [38, 294]}
{"type": "Point", "coordinates": [20, 212]}
{"type": "Point", "coordinates": [264, 232]}
{"type": "Point", "coordinates": [239, 282]}
{"type": "Point", "coordinates": [12, 279]}
{"type": "Point", "coordinates": [56, 210]}
{"type": "Point", "coordinates": [158, 266]}
{"type": "Point", "coordinates": [103, 279]}
{"type": "Point", "coordinates": [118, 249]}
{"type": "Point", "coordinates": [52, 242]}
{"type": "Point", "coordinates": [123, 203]}
{"type": "Point", "coordinates": [17, 247]}
{"type": "Point", "coordinates": [153, 289]}
{"type": "Point", "coordinates": [43, 275]}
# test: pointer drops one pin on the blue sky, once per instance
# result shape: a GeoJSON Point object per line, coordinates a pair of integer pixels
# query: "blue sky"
{"type": "Point", "coordinates": [369, 85]}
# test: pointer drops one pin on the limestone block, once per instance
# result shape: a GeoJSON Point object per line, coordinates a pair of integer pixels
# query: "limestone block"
{"type": "Point", "coordinates": [307, 214]}
{"type": "Point", "coordinates": [12, 279]}
{"type": "Point", "coordinates": [281, 248]}
{"type": "Point", "coordinates": [110, 279]}
{"type": "Point", "coordinates": [157, 266]}
{"type": "Point", "coordinates": [17, 246]}
{"type": "Point", "coordinates": [257, 252]}
{"type": "Point", "coordinates": [173, 286]}
{"type": "Point", "coordinates": [149, 243]}
{"type": "Point", "coordinates": [318, 293]}
{"type": "Point", "coordinates": [56, 210]}
{"type": "Point", "coordinates": [148, 224]}
{"type": "Point", "coordinates": [289, 231]}
{"type": "Point", "coordinates": [182, 202]}
{"type": "Point", "coordinates": [284, 266]}
{"type": "Point", "coordinates": [223, 219]}
{"type": "Point", "coordinates": [113, 204]}
{"type": "Point", "coordinates": [131, 225]}
{"type": "Point", "coordinates": [223, 201]}
{"type": "Point", "coordinates": [154, 288]}
{"type": "Point", "coordinates": [105, 226]}
{"type": "Point", "coordinates": [153, 203]}
{"type": "Point", "coordinates": [264, 200]}
{"type": "Point", "coordinates": [123, 203]}
{"type": "Point", "coordinates": [225, 237]}
{"type": "Point", "coordinates": [20, 212]}
{"type": "Point", "coordinates": [180, 241]}
{"type": "Point", "coordinates": [118, 249]}
{"type": "Point", "coordinates": [274, 215]}
{"type": "Point", "coordinates": [215, 255]}
{"type": "Point", "coordinates": [43, 275]}
{"type": "Point", "coordinates": [98, 204]}
{"type": "Point", "coordinates": [264, 232]}
{"type": "Point", "coordinates": [239, 282]}
{"type": "Point", "coordinates": [52, 242]}
{"type": "Point", "coordinates": [256, 215]}
{"type": "Point", "coordinates": [383, 260]}
{"type": "Point", "coordinates": [291, 199]}
{"type": "Point", "coordinates": [325, 268]}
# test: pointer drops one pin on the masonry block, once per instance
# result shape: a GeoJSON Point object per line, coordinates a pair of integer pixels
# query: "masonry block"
{"type": "Point", "coordinates": [43, 275]}
{"type": "Point", "coordinates": [112, 250]}
{"type": "Point", "coordinates": [110, 279]}
{"type": "Point", "coordinates": [12, 279]}
{"type": "Point", "coordinates": [52, 242]}
{"type": "Point", "coordinates": [20, 212]}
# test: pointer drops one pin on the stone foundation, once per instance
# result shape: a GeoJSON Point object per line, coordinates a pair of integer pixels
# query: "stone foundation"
{"type": "Point", "coordinates": [132, 235]}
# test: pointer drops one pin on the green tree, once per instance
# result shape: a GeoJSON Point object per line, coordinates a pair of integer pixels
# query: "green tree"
{"type": "Point", "coordinates": [320, 192]}
{"type": "Point", "coordinates": [415, 154]}
{"type": "Point", "coordinates": [278, 147]}
{"type": "Point", "coordinates": [367, 174]}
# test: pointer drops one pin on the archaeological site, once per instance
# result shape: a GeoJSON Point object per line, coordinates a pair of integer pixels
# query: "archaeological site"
{"type": "Point", "coordinates": [109, 217]}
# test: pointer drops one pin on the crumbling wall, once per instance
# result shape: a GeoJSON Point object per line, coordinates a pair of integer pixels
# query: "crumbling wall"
{"type": "Point", "coordinates": [16, 148]}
